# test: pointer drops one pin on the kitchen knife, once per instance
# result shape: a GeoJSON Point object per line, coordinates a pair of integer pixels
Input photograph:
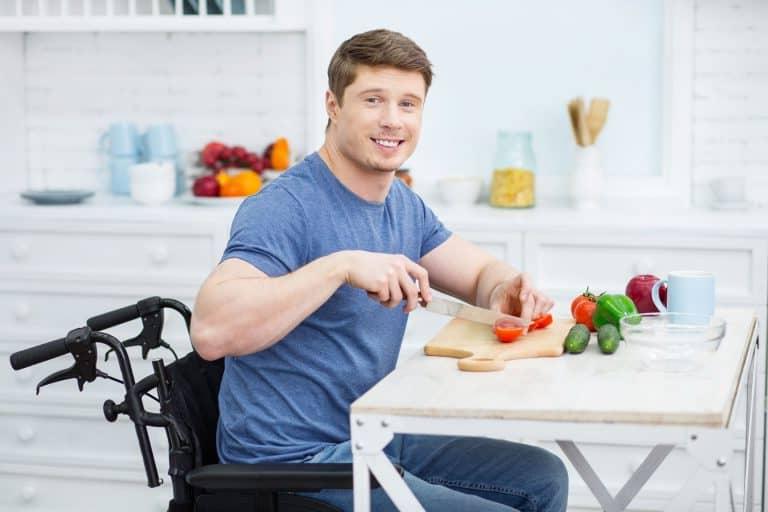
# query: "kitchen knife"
{"type": "Point", "coordinates": [461, 310]}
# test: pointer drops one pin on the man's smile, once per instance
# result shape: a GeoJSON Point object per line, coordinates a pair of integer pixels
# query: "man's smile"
{"type": "Point", "coordinates": [387, 143]}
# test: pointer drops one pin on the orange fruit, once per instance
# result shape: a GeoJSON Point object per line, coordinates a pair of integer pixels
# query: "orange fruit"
{"type": "Point", "coordinates": [244, 183]}
{"type": "Point", "coordinates": [222, 178]}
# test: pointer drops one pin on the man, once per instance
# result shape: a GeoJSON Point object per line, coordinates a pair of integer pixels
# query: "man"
{"type": "Point", "coordinates": [310, 300]}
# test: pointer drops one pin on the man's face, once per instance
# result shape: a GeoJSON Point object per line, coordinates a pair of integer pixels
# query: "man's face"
{"type": "Point", "coordinates": [378, 126]}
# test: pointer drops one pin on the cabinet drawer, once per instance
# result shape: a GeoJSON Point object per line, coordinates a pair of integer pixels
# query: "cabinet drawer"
{"type": "Point", "coordinates": [68, 490]}
{"type": "Point", "coordinates": [55, 439]}
{"type": "Point", "coordinates": [55, 312]}
{"type": "Point", "coordinates": [505, 246]}
{"type": "Point", "coordinates": [567, 263]}
{"type": "Point", "coordinates": [113, 254]}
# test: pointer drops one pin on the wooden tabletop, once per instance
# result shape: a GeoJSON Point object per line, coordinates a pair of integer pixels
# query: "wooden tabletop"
{"type": "Point", "coordinates": [589, 387]}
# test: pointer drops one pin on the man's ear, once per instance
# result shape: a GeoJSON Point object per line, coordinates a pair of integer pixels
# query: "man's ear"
{"type": "Point", "coordinates": [331, 105]}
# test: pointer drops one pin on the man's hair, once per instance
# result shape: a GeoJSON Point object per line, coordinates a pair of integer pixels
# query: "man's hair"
{"type": "Point", "coordinates": [375, 48]}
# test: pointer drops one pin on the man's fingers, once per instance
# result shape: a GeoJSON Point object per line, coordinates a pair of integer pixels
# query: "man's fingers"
{"type": "Point", "coordinates": [422, 278]}
{"type": "Point", "coordinates": [525, 287]}
{"type": "Point", "coordinates": [410, 292]}
{"type": "Point", "coordinates": [395, 292]}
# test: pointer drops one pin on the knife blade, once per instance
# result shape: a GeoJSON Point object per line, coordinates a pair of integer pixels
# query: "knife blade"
{"type": "Point", "coordinates": [460, 310]}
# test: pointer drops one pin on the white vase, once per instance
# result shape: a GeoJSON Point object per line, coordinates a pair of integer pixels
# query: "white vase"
{"type": "Point", "coordinates": [587, 178]}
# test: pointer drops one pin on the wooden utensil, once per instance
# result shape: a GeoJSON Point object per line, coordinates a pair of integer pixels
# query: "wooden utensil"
{"type": "Point", "coordinates": [598, 113]}
{"type": "Point", "coordinates": [574, 116]}
{"type": "Point", "coordinates": [478, 350]}
{"type": "Point", "coordinates": [581, 115]}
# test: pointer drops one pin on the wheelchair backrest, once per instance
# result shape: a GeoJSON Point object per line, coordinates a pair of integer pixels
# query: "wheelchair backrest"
{"type": "Point", "coordinates": [195, 386]}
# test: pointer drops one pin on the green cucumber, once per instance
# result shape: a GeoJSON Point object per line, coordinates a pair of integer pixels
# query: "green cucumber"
{"type": "Point", "coordinates": [577, 339]}
{"type": "Point", "coordinates": [608, 338]}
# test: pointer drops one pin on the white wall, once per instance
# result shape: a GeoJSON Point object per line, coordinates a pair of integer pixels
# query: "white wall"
{"type": "Point", "coordinates": [239, 88]}
{"type": "Point", "coordinates": [730, 96]}
{"type": "Point", "coordinates": [499, 64]}
{"type": "Point", "coordinates": [516, 64]}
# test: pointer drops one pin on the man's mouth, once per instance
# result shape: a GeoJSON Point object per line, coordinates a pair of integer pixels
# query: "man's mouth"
{"type": "Point", "coordinates": [388, 143]}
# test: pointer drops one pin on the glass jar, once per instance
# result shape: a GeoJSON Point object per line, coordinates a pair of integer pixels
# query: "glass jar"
{"type": "Point", "coordinates": [513, 182]}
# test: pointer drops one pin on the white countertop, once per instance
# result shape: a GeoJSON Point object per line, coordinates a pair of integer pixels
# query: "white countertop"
{"type": "Point", "coordinates": [551, 216]}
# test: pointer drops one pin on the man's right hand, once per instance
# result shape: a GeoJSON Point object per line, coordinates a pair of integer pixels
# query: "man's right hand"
{"type": "Point", "coordinates": [388, 278]}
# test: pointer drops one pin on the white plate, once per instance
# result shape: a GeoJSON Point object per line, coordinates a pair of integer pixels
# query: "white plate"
{"type": "Point", "coordinates": [213, 201]}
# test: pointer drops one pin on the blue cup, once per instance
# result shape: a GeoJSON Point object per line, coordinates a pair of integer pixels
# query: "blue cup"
{"type": "Point", "coordinates": [159, 143]}
{"type": "Point", "coordinates": [688, 291]}
{"type": "Point", "coordinates": [120, 174]}
{"type": "Point", "coordinates": [121, 139]}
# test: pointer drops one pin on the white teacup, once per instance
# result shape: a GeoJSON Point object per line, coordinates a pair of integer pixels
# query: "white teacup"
{"type": "Point", "coordinates": [153, 183]}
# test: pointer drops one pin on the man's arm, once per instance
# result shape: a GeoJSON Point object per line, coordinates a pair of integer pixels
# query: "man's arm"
{"type": "Point", "coordinates": [462, 269]}
{"type": "Point", "coordinates": [240, 310]}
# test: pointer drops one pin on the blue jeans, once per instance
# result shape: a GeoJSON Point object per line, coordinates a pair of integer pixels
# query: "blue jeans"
{"type": "Point", "coordinates": [463, 474]}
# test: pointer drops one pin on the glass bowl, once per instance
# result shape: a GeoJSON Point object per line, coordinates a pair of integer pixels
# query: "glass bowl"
{"type": "Point", "coordinates": [672, 341]}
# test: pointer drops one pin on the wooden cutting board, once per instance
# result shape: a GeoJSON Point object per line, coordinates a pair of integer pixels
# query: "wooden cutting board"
{"type": "Point", "coordinates": [478, 349]}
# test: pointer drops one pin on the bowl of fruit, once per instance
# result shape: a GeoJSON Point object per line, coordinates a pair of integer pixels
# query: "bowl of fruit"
{"type": "Point", "coordinates": [231, 173]}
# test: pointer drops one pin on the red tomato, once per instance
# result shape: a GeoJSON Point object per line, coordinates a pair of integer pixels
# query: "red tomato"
{"type": "Point", "coordinates": [583, 314]}
{"type": "Point", "coordinates": [540, 322]}
{"type": "Point", "coordinates": [507, 333]}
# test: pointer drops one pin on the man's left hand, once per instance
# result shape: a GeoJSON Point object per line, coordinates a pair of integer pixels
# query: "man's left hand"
{"type": "Point", "coordinates": [517, 297]}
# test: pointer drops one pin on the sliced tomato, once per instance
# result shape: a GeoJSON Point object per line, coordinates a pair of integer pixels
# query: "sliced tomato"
{"type": "Point", "coordinates": [507, 334]}
{"type": "Point", "coordinates": [541, 322]}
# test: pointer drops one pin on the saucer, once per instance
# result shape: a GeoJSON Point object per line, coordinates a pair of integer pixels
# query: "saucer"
{"type": "Point", "coordinates": [731, 205]}
{"type": "Point", "coordinates": [56, 196]}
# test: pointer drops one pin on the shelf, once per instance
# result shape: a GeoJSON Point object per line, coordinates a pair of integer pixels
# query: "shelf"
{"type": "Point", "coordinates": [149, 16]}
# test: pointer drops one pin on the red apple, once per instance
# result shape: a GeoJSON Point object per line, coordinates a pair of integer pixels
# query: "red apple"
{"type": "Point", "coordinates": [238, 152]}
{"type": "Point", "coordinates": [210, 153]}
{"type": "Point", "coordinates": [206, 186]}
{"type": "Point", "coordinates": [639, 290]}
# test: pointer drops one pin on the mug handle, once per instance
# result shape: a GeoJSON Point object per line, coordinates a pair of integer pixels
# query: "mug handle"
{"type": "Point", "coordinates": [655, 295]}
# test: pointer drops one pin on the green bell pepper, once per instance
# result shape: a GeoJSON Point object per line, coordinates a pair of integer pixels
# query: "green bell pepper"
{"type": "Point", "coordinates": [610, 308]}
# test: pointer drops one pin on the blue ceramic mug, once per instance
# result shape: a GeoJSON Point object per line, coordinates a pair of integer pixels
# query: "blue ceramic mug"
{"type": "Point", "coordinates": [159, 143]}
{"type": "Point", "coordinates": [688, 291]}
{"type": "Point", "coordinates": [120, 173]}
{"type": "Point", "coordinates": [121, 139]}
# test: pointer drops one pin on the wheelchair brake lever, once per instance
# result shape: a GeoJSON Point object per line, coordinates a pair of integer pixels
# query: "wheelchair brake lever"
{"type": "Point", "coordinates": [84, 369]}
{"type": "Point", "coordinates": [152, 318]}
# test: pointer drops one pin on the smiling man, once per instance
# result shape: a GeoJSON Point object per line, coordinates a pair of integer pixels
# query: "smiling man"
{"type": "Point", "coordinates": [311, 298]}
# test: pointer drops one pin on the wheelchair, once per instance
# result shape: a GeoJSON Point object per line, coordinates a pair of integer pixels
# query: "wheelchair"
{"type": "Point", "coordinates": [187, 391]}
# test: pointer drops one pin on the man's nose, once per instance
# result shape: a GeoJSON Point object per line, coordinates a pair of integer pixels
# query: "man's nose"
{"type": "Point", "coordinates": [390, 118]}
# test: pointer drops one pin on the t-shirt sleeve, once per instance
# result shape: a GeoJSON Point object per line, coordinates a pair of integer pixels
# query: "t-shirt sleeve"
{"type": "Point", "coordinates": [269, 232]}
{"type": "Point", "coordinates": [434, 233]}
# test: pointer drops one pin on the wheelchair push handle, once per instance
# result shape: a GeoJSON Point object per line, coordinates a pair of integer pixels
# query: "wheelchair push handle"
{"type": "Point", "coordinates": [38, 354]}
{"type": "Point", "coordinates": [113, 318]}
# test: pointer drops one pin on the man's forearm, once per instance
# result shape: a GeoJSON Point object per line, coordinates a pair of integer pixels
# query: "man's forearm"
{"type": "Point", "coordinates": [489, 278]}
{"type": "Point", "coordinates": [240, 316]}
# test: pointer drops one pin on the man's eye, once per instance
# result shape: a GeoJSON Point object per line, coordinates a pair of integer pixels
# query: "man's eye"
{"type": "Point", "coordinates": [408, 104]}
{"type": "Point", "coordinates": [372, 100]}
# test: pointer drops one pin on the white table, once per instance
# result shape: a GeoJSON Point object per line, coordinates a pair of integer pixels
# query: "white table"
{"type": "Point", "coordinates": [590, 397]}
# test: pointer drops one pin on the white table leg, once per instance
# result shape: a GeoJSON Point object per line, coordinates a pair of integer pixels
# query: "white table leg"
{"type": "Point", "coordinates": [629, 490]}
{"type": "Point", "coordinates": [369, 436]}
{"type": "Point", "coordinates": [361, 483]}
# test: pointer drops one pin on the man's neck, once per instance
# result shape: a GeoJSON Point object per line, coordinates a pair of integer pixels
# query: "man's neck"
{"type": "Point", "coordinates": [368, 184]}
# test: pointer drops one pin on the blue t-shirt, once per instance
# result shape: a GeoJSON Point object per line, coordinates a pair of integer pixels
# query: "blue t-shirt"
{"type": "Point", "coordinates": [291, 400]}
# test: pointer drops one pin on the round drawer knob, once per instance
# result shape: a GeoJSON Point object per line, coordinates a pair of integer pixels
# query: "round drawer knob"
{"type": "Point", "coordinates": [22, 311]}
{"type": "Point", "coordinates": [160, 255]}
{"type": "Point", "coordinates": [26, 434]}
{"type": "Point", "coordinates": [20, 250]}
{"type": "Point", "coordinates": [28, 493]}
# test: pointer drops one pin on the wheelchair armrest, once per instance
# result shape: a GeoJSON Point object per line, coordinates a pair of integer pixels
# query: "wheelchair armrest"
{"type": "Point", "coordinates": [277, 477]}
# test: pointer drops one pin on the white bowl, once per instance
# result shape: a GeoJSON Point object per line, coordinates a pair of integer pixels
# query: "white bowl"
{"type": "Point", "coordinates": [459, 190]}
